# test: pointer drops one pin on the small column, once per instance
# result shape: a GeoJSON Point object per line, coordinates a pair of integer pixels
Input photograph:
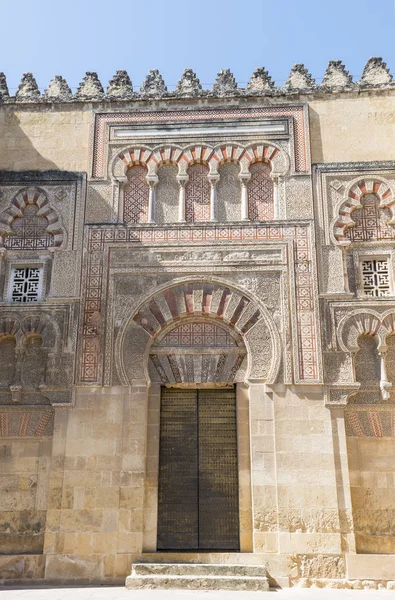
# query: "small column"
{"type": "Point", "coordinates": [152, 182]}
{"type": "Point", "coordinates": [182, 180]}
{"type": "Point", "coordinates": [16, 386]}
{"type": "Point", "coordinates": [275, 198]}
{"type": "Point", "coordinates": [213, 196]}
{"type": "Point", "coordinates": [345, 269]}
{"type": "Point", "coordinates": [121, 184]}
{"type": "Point", "coordinates": [385, 385]}
{"type": "Point", "coordinates": [244, 179]}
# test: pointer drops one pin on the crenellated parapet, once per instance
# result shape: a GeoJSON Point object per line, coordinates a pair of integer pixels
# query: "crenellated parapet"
{"type": "Point", "coordinates": [376, 75]}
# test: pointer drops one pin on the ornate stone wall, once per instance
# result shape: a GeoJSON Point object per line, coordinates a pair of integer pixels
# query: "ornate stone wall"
{"type": "Point", "coordinates": [197, 243]}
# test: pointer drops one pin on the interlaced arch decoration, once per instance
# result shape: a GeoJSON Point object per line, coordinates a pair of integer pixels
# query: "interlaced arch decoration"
{"type": "Point", "coordinates": [244, 156]}
{"type": "Point", "coordinates": [367, 214]}
{"type": "Point", "coordinates": [30, 222]}
{"type": "Point", "coordinates": [357, 323]}
{"type": "Point", "coordinates": [220, 311]}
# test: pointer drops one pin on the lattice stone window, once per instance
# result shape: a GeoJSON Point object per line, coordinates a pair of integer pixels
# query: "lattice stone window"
{"type": "Point", "coordinates": [26, 284]}
{"type": "Point", "coordinates": [376, 277]}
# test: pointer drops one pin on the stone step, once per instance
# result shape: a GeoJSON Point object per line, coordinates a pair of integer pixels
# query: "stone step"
{"type": "Point", "coordinates": [198, 569]}
{"type": "Point", "coordinates": [200, 582]}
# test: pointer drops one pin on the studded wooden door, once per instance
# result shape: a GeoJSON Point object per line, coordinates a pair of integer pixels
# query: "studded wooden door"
{"type": "Point", "coordinates": [198, 505]}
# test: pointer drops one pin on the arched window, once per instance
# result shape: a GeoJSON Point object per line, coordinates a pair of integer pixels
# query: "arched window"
{"type": "Point", "coordinates": [7, 360]}
{"type": "Point", "coordinates": [367, 369]}
{"type": "Point", "coordinates": [136, 194]}
{"type": "Point", "coordinates": [197, 194]}
{"type": "Point", "coordinates": [228, 193]}
{"type": "Point", "coordinates": [260, 193]}
{"type": "Point", "coordinates": [29, 232]}
{"type": "Point", "coordinates": [167, 195]}
{"type": "Point", "coordinates": [371, 221]}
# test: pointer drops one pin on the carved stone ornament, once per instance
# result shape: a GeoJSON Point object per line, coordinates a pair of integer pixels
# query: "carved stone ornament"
{"type": "Point", "coordinates": [225, 83]}
{"type": "Point", "coordinates": [336, 76]}
{"type": "Point", "coordinates": [4, 93]}
{"type": "Point", "coordinates": [120, 86]}
{"type": "Point", "coordinates": [376, 73]}
{"type": "Point", "coordinates": [58, 89]}
{"type": "Point", "coordinates": [28, 88]}
{"type": "Point", "coordinates": [153, 84]}
{"type": "Point", "coordinates": [90, 87]}
{"type": "Point", "coordinates": [260, 81]}
{"type": "Point", "coordinates": [336, 397]}
{"type": "Point", "coordinates": [221, 311]}
{"type": "Point", "coordinates": [300, 79]}
{"type": "Point", "coordinates": [189, 84]}
{"type": "Point", "coordinates": [38, 367]}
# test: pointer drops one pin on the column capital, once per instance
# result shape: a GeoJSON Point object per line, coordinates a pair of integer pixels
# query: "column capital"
{"type": "Point", "coordinates": [182, 179]}
{"type": "Point", "coordinates": [152, 180]}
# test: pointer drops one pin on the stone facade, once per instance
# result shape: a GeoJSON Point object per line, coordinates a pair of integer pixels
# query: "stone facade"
{"type": "Point", "coordinates": [198, 239]}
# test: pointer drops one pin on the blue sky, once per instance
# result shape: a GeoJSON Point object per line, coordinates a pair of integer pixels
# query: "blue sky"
{"type": "Point", "coordinates": [55, 37]}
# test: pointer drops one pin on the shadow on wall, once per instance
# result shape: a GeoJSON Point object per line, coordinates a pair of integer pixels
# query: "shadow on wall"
{"type": "Point", "coordinates": [317, 155]}
{"type": "Point", "coordinates": [17, 151]}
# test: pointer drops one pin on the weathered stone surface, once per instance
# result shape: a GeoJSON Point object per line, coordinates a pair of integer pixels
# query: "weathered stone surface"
{"type": "Point", "coordinates": [299, 79]}
{"type": "Point", "coordinates": [189, 85]}
{"type": "Point", "coordinates": [58, 89]}
{"type": "Point", "coordinates": [225, 83]}
{"type": "Point", "coordinates": [198, 577]}
{"type": "Point", "coordinates": [153, 84]}
{"type": "Point", "coordinates": [260, 81]}
{"type": "Point", "coordinates": [3, 87]}
{"type": "Point", "coordinates": [28, 88]}
{"type": "Point", "coordinates": [376, 73]}
{"type": "Point", "coordinates": [90, 87]}
{"type": "Point", "coordinates": [336, 76]}
{"type": "Point", "coordinates": [120, 86]}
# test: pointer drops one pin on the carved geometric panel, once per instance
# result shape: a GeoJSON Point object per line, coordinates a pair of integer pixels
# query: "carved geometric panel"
{"type": "Point", "coordinates": [260, 193]}
{"type": "Point", "coordinates": [206, 335]}
{"type": "Point", "coordinates": [197, 194]}
{"type": "Point", "coordinates": [136, 194]}
{"type": "Point", "coordinates": [370, 221]}
{"type": "Point", "coordinates": [29, 231]}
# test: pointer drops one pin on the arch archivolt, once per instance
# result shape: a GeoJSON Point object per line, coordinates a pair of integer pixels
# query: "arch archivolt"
{"type": "Point", "coordinates": [32, 196]}
{"type": "Point", "coordinates": [214, 157]}
{"type": "Point", "coordinates": [242, 341]}
{"type": "Point", "coordinates": [354, 194]}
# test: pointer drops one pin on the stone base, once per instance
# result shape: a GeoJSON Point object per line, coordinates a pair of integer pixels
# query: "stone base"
{"type": "Point", "coordinates": [379, 567]}
{"type": "Point", "coordinates": [198, 577]}
{"type": "Point", "coordinates": [22, 567]}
